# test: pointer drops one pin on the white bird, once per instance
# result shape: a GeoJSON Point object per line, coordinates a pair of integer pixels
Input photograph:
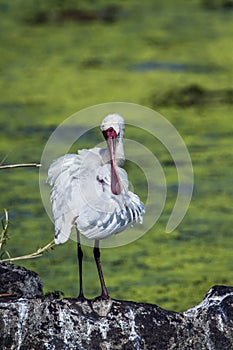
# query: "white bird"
{"type": "Point", "coordinates": [90, 192]}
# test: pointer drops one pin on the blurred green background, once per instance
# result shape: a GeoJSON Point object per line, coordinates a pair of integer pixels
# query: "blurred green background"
{"type": "Point", "coordinates": [176, 57]}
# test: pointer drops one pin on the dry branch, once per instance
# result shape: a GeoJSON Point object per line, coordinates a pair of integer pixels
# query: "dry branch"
{"type": "Point", "coordinates": [34, 255]}
{"type": "Point", "coordinates": [10, 166]}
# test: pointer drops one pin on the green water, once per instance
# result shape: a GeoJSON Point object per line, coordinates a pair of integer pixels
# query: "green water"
{"type": "Point", "coordinates": [150, 53]}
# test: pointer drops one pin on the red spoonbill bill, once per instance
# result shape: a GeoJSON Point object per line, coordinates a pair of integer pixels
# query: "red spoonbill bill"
{"type": "Point", "coordinates": [90, 192]}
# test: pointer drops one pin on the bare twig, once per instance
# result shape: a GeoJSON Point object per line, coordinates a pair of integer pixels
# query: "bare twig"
{"type": "Point", "coordinates": [6, 295]}
{"type": "Point", "coordinates": [34, 255]}
{"type": "Point", "coordinates": [4, 159]}
{"type": "Point", "coordinates": [3, 236]}
{"type": "Point", "coordinates": [10, 166]}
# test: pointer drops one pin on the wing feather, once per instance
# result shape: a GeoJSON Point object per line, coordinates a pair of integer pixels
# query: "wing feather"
{"type": "Point", "coordinates": [81, 195]}
{"type": "Point", "coordinates": [62, 176]}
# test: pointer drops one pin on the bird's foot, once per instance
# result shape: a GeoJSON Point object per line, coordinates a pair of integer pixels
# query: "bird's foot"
{"type": "Point", "coordinates": [81, 298]}
{"type": "Point", "coordinates": [103, 296]}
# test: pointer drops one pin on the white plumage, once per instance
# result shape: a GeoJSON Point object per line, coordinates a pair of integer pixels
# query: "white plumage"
{"type": "Point", "coordinates": [81, 193]}
{"type": "Point", "coordinates": [90, 191]}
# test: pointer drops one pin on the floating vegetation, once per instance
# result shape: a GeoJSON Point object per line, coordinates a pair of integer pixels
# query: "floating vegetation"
{"type": "Point", "coordinates": [192, 95]}
{"type": "Point", "coordinates": [217, 4]}
{"type": "Point", "coordinates": [43, 12]}
{"type": "Point", "coordinates": [58, 57]}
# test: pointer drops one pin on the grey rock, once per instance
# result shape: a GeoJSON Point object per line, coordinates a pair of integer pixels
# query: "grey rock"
{"type": "Point", "coordinates": [20, 282]}
{"type": "Point", "coordinates": [46, 323]}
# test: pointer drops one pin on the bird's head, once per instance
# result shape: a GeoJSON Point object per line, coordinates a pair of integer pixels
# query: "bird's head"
{"type": "Point", "coordinates": [113, 126]}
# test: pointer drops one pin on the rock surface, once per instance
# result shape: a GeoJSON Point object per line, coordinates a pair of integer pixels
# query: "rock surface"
{"type": "Point", "coordinates": [18, 281]}
{"type": "Point", "coordinates": [49, 323]}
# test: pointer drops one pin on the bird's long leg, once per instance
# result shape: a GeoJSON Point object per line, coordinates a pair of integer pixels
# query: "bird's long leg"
{"type": "Point", "coordinates": [96, 251]}
{"type": "Point", "coordinates": [80, 265]}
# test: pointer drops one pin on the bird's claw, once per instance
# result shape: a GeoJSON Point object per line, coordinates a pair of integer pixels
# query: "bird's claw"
{"type": "Point", "coordinates": [102, 297]}
{"type": "Point", "coordinates": [81, 298]}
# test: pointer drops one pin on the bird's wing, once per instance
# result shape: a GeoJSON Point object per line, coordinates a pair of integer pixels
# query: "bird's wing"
{"type": "Point", "coordinates": [107, 213]}
{"type": "Point", "coordinates": [60, 177]}
{"type": "Point", "coordinates": [67, 176]}
{"type": "Point", "coordinates": [81, 195]}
